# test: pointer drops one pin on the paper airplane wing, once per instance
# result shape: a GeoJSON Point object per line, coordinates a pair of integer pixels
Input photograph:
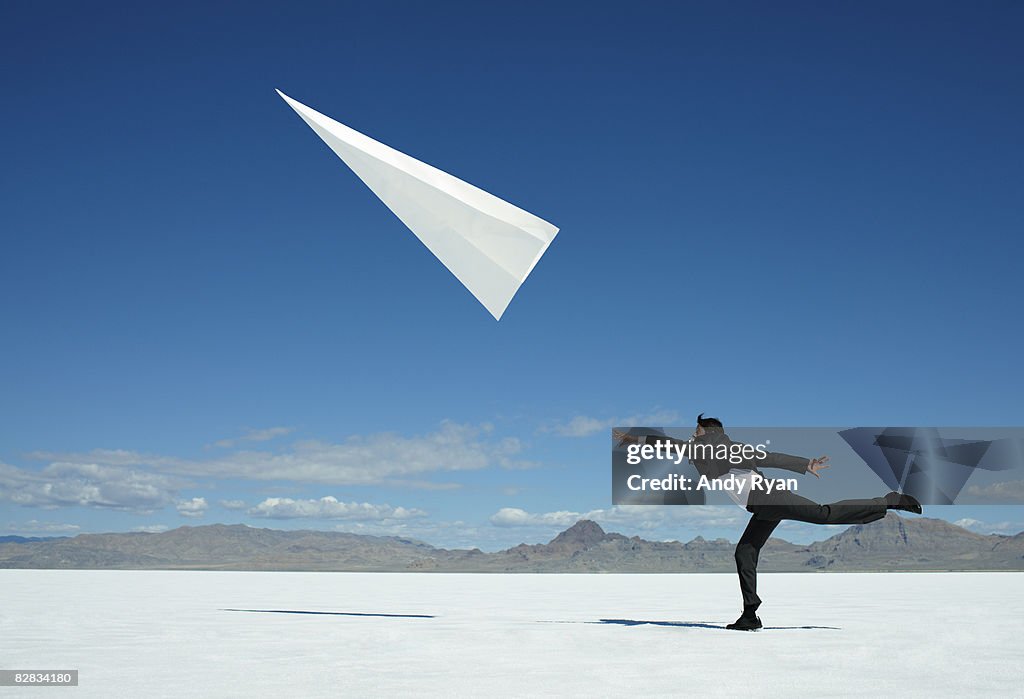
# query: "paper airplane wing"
{"type": "Point", "coordinates": [921, 462]}
{"type": "Point", "coordinates": [489, 245]}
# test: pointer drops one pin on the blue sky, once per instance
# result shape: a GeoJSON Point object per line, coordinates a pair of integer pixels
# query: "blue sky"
{"type": "Point", "coordinates": [786, 215]}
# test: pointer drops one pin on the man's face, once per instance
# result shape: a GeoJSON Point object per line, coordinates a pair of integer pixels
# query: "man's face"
{"type": "Point", "coordinates": [699, 432]}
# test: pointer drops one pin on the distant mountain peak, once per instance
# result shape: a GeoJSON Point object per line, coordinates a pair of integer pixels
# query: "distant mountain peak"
{"type": "Point", "coordinates": [894, 535]}
{"type": "Point", "coordinates": [583, 534]}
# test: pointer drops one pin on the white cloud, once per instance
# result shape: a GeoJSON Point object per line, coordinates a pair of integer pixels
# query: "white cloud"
{"type": "Point", "coordinates": [330, 508]}
{"type": "Point", "coordinates": [151, 528]}
{"type": "Point", "coordinates": [967, 522]}
{"type": "Point", "coordinates": [233, 504]}
{"type": "Point", "coordinates": [376, 459]}
{"type": "Point", "coordinates": [63, 484]}
{"type": "Point", "coordinates": [980, 527]}
{"type": "Point", "coordinates": [196, 507]}
{"type": "Point", "coordinates": [584, 426]}
{"type": "Point", "coordinates": [264, 435]}
{"type": "Point", "coordinates": [515, 517]}
{"type": "Point", "coordinates": [1008, 492]}
{"type": "Point", "coordinates": [34, 526]}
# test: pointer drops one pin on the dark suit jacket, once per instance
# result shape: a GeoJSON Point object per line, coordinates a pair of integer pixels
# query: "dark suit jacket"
{"type": "Point", "coordinates": [714, 467]}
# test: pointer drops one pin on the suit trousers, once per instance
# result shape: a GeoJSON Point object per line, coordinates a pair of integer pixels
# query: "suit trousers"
{"type": "Point", "coordinates": [771, 508]}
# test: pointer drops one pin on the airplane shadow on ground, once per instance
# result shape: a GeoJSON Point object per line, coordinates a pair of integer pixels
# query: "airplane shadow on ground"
{"type": "Point", "coordinates": [699, 624]}
{"type": "Point", "coordinates": [299, 611]}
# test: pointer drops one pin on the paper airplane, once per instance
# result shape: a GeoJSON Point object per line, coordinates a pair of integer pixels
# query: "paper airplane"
{"type": "Point", "coordinates": [489, 245]}
{"type": "Point", "coordinates": [921, 462]}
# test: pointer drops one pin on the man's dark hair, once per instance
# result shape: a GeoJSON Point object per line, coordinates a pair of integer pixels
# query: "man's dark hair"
{"type": "Point", "coordinates": [710, 424]}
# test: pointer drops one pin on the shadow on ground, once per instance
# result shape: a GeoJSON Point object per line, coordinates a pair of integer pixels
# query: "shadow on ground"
{"type": "Point", "coordinates": [699, 624]}
{"type": "Point", "coordinates": [299, 611]}
{"type": "Point", "coordinates": [621, 622]}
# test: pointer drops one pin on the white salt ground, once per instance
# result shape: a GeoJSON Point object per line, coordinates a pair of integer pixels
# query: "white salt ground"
{"type": "Point", "coordinates": [169, 634]}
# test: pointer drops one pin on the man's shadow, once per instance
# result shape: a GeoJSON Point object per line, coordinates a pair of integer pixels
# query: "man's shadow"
{"type": "Point", "coordinates": [699, 624]}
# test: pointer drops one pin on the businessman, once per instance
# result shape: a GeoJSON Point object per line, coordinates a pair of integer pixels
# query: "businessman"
{"type": "Point", "coordinates": [769, 508]}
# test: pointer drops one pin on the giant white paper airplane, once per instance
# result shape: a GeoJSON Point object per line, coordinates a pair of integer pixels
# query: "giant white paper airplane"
{"type": "Point", "coordinates": [490, 245]}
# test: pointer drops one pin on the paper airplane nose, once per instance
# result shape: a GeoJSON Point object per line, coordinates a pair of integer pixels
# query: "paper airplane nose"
{"type": "Point", "coordinates": [490, 246]}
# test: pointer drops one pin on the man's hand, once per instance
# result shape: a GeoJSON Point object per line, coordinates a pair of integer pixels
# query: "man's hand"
{"type": "Point", "coordinates": [815, 465]}
{"type": "Point", "coordinates": [619, 437]}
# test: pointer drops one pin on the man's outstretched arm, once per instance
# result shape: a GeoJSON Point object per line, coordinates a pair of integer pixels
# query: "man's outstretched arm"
{"type": "Point", "coordinates": [797, 464]}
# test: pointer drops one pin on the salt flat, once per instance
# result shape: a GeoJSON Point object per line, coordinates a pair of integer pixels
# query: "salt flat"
{"type": "Point", "coordinates": [168, 633]}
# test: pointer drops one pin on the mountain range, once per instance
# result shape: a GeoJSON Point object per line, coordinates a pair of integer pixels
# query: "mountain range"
{"type": "Point", "coordinates": [890, 544]}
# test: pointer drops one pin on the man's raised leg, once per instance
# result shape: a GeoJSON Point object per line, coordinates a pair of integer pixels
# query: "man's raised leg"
{"type": "Point", "coordinates": [788, 505]}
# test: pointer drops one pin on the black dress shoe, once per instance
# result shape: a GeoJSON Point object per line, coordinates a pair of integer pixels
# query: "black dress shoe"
{"type": "Point", "coordinates": [745, 623]}
{"type": "Point", "coordinates": [902, 501]}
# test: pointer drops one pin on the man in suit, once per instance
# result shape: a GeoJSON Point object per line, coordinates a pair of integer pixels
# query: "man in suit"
{"type": "Point", "coordinates": [769, 508]}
